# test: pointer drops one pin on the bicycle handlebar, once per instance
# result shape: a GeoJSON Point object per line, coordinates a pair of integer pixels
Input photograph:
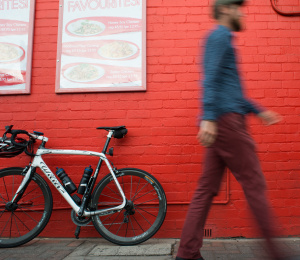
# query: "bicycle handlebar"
{"type": "Point", "coordinates": [14, 133]}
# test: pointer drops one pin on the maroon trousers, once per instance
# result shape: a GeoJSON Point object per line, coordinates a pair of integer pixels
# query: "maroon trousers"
{"type": "Point", "coordinates": [234, 148]}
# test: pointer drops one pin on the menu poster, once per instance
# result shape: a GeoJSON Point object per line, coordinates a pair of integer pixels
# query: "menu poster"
{"type": "Point", "coordinates": [101, 46]}
{"type": "Point", "coordinates": [16, 37]}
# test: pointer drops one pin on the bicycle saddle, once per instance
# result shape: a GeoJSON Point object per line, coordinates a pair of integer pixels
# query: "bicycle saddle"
{"type": "Point", "coordinates": [107, 128]}
{"type": "Point", "coordinates": [119, 131]}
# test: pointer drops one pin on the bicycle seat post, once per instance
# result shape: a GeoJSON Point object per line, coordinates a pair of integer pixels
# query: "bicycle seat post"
{"type": "Point", "coordinates": [109, 135]}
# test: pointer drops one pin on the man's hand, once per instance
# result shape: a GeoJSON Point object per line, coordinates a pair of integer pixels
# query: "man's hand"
{"type": "Point", "coordinates": [207, 133]}
{"type": "Point", "coordinates": [269, 117]}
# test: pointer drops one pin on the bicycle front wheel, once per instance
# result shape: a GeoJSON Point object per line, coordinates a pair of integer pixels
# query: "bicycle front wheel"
{"type": "Point", "coordinates": [143, 214]}
{"type": "Point", "coordinates": [21, 222]}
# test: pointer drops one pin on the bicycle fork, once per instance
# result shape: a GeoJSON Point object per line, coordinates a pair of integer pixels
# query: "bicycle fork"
{"type": "Point", "coordinates": [28, 172]}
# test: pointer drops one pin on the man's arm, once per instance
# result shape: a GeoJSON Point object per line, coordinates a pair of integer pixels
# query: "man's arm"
{"type": "Point", "coordinates": [268, 117]}
{"type": "Point", "coordinates": [215, 49]}
{"type": "Point", "coordinates": [253, 107]}
{"type": "Point", "coordinates": [207, 133]}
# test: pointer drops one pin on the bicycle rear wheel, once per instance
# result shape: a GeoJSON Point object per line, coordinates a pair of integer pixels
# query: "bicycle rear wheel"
{"type": "Point", "coordinates": [142, 216]}
{"type": "Point", "coordinates": [23, 221]}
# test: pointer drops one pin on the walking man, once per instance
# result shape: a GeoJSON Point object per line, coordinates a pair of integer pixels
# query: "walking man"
{"type": "Point", "coordinates": [224, 133]}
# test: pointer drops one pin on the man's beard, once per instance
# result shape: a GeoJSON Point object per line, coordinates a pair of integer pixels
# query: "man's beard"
{"type": "Point", "coordinates": [236, 25]}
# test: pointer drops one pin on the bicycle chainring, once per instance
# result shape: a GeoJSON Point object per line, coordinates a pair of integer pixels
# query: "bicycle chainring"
{"type": "Point", "coordinates": [79, 221]}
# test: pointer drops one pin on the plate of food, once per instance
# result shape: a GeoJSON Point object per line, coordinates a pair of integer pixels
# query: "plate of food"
{"type": "Point", "coordinates": [10, 52]}
{"type": "Point", "coordinates": [84, 72]}
{"type": "Point", "coordinates": [85, 27]}
{"type": "Point", "coordinates": [117, 50]}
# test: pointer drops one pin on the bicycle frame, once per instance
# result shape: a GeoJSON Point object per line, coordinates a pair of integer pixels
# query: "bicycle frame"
{"type": "Point", "coordinates": [38, 162]}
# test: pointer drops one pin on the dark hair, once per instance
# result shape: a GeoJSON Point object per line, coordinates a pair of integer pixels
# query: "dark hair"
{"type": "Point", "coordinates": [216, 10]}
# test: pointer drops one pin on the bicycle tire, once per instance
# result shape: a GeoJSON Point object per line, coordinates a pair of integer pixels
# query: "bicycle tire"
{"type": "Point", "coordinates": [149, 207]}
{"type": "Point", "coordinates": [22, 224]}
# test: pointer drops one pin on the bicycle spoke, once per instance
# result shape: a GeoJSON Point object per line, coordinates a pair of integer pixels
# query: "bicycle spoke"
{"type": "Point", "coordinates": [126, 230]}
{"type": "Point", "coordinates": [137, 208]}
{"type": "Point", "coordinates": [110, 197]}
{"type": "Point", "coordinates": [33, 205]}
{"type": "Point", "coordinates": [4, 200]}
{"type": "Point", "coordinates": [10, 224]}
{"type": "Point", "coordinates": [21, 208]}
{"type": "Point", "coordinates": [132, 226]}
{"type": "Point", "coordinates": [106, 218]}
{"type": "Point", "coordinates": [138, 223]}
{"type": "Point", "coordinates": [5, 226]}
{"type": "Point", "coordinates": [119, 228]}
{"type": "Point", "coordinates": [23, 196]}
{"type": "Point", "coordinates": [145, 202]}
{"type": "Point", "coordinates": [144, 194]}
{"type": "Point", "coordinates": [13, 184]}
{"type": "Point", "coordinates": [139, 191]}
{"type": "Point", "coordinates": [22, 222]}
{"type": "Point", "coordinates": [32, 198]}
{"type": "Point", "coordinates": [17, 225]}
{"type": "Point", "coordinates": [114, 192]}
{"type": "Point", "coordinates": [29, 216]}
{"type": "Point", "coordinates": [138, 186]}
{"type": "Point", "coordinates": [114, 220]}
{"type": "Point", "coordinates": [143, 217]}
{"type": "Point", "coordinates": [5, 190]}
{"type": "Point", "coordinates": [1, 213]}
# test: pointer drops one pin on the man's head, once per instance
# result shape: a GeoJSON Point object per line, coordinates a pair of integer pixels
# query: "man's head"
{"type": "Point", "coordinates": [228, 11]}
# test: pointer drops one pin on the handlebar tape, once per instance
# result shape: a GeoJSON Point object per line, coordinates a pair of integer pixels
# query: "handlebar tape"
{"type": "Point", "coordinates": [14, 133]}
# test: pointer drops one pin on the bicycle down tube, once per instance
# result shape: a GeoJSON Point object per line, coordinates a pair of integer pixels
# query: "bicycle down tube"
{"type": "Point", "coordinates": [39, 162]}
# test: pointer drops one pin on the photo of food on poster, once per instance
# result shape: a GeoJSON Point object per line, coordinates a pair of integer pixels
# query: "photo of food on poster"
{"type": "Point", "coordinates": [101, 46]}
{"type": "Point", "coordinates": [16, 32]}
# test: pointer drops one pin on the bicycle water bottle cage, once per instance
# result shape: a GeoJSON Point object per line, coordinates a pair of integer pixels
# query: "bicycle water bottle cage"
{"type": "Point", "coordinates": [118, 131]}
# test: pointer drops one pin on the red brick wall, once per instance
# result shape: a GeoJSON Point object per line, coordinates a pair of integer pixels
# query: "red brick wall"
{"type": "Point", "coordinates": [162, 120]}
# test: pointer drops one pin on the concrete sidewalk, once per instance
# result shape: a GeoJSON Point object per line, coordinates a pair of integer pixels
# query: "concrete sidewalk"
{"type": "Point", "coordinates": [154, 249]}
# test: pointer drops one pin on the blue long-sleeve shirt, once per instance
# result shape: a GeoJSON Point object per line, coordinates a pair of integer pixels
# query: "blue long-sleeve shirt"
{"type": "Point", "coordinates": [222, 86]}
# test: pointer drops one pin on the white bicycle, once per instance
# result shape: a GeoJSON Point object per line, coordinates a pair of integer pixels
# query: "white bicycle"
{"type": "Point", "coordinates": [127, 206]}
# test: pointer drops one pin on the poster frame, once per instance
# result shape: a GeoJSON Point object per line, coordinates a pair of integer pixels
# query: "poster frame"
{"type": "Point", "coordinates": [58, 89]}
{"type": "Point", "coordinates": [27, 88]}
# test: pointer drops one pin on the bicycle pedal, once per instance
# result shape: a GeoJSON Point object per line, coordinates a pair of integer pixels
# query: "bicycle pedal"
{"type": "Point", "coordinates": [77, 231]}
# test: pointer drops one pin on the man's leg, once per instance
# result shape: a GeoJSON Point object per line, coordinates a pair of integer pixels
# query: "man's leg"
{"type": "Point", "coordinates": [241, 159]}
{"type": "Point", "coordinates": [208, 186]}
